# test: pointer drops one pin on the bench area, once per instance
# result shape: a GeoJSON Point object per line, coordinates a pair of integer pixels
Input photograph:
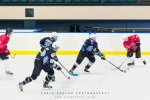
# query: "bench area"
{"type": "Point", "coordinates": [102, 29]}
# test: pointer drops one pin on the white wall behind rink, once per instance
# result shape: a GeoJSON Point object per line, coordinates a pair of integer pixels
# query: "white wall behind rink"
{"type": "Point", "coordinates": [74, 41]}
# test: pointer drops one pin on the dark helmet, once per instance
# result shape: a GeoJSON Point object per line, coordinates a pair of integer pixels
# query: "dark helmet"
{"type": "Point", "coordinates": [9, 30]}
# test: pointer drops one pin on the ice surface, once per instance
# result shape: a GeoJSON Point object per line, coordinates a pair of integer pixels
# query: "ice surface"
{"type": "Point", "coordinates": [114, 84]}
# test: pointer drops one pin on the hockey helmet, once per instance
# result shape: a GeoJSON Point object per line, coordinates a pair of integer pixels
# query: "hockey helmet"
{"type": "Point", "coordinates": [92, 36]}
{"type": "Point", "coordinates": [55, 46]}
{"type": "Point", "coordinates": [54, 36]}
{"type": "Point", "coordinates": [125, 37]}
{"type": "Point", "coordinates": [9, 31]}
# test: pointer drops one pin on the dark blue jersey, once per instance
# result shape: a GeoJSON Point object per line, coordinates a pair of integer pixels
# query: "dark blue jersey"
{"type": "Point", "coordinates": [42, 41]}
{"type": "Point", "coordinates": [88, 43]}
{"type": "Point", "coordinates": [47, 57]}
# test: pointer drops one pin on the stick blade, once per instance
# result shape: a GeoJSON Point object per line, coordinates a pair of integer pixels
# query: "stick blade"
{"type": "Point", "coordinates": [113, 68]}
{"type": "Point", "coordinates": [74, 74]}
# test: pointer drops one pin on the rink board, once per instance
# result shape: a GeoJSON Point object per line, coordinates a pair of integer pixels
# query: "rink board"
{"type": "Point", "coordinates": [71, 43]}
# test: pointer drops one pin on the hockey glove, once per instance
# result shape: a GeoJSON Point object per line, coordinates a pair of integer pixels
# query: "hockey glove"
{"type": "Point", "coordinates": [138, 44]}
{"type": "Point", "coordinates": [103, 57]}
{"type": "Point", "coordinates": [94, 50]}
{"type": "Point", "coordinates": [56, 59]}
{"type": "Point", "coordinates": [133, 47]}
{"type": "Point", "coordinates": [129, 49]}
{"type": "Point", "coordinates": [58, 67]}
{"type": "Point", "coordinates": [99, 54]}
{"type": "Point", "coordinates": [7, 51]}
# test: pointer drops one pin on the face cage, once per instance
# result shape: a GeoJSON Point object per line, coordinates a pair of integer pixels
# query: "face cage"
{"type": "Point", "coordinates": [93, 38]}
{"type": "Point", "coordinates": [56, 49]}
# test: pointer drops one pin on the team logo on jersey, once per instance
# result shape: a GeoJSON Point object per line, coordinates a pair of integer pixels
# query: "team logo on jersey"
{"type": "Point", "coordinates": [50, 42]}
{"type": "Point", "coordinates": [53, 55]}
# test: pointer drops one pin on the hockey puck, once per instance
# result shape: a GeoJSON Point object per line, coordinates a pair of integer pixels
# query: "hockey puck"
{"type": "Point", "coordinates": [68, 77]}
{"type": "Point", "coordinates": [126, 70]}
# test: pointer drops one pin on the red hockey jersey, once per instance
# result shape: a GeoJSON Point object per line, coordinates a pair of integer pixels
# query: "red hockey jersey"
{"type": "Point", "coordinates": [3, 43]}
{"type": "Point", "coordinates": [131, 43]}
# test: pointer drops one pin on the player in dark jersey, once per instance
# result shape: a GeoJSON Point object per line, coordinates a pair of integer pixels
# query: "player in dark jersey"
{"type": "Point", "coordinates": [43, 61]}
{"type": "Point", "coordinates": [87, 51]}
{"type": "Point", "coordinates": [48, 41]}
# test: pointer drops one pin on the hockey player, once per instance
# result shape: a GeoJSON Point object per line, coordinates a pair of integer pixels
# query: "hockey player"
{"type": "Point", "coordinates": [132, 44]}
{"type": "Point", "coordinates": [4, 52]}
{"type": "Point", "coordinates": [43, 61]}
{"type": "Point", "coordinates": [87, 51]}
{"type": "Point", "coordinates": [48, 41]}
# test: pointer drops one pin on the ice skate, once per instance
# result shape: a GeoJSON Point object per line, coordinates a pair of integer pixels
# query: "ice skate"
{"type": "Point", "coordinates": [144, 62]}
{"type": "Point", "coordinates": [71, 71]}
{"type": "Point", "coordinates": [9, 73]}
{"type": "Point", "coordinates": [20, 86]}
{"type": "Point", "coordinates": [131, 64]}
{"type": "Point", "coordinates": [46, 86]}
{"type": "Point", "coordinates": [86, 70]}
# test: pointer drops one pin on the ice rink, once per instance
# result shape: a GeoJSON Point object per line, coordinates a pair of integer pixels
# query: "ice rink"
{"type": "Point", "coordinates": [107, 83]}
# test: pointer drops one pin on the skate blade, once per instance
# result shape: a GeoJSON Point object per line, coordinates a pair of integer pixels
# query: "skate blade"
{"type": "Point", "coordinates": [86, 72]}
{"type": "Point", "coordinates": [47, 88]}
{"type": "Point", "coordinates": [9, 75]}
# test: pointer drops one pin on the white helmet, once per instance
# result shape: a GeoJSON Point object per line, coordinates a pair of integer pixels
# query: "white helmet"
{"type": "Point", "coordinates": [91, 35]}
{"type": "Point", "coordinates": [54, 35]}
{"type": "Point", "coordinates": [125, 37]}
{"type": "Point", "coordinates": [55, 46]}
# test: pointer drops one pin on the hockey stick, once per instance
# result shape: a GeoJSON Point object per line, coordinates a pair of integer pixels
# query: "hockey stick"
{"type": "Point", "coordinates": [13, 56]}
{"type": "Point", "coordinates": [118, 67]}
{"type": "Point", "coordinates": [67, 70]}
{"type": "Point", "coordinates": [123, 61]}
{"type": "Point", "coordinates": [65, 75]}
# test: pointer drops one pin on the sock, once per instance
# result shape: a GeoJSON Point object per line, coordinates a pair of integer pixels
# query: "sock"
{"type": "Point", "coordinates": [48, 78]}
{"type": "Point", "coordinates": [131, 59]}
{"type": "Point", "coordinates": [6, 64]}
{"type": "Point", "coordinates": [27, 80]}
{"type": "Point", "coordinates": [89, 65]}
{"type": "Point", "coordinates": [141, 59]}
{"type": "Point", "coordinates": [75, 66]}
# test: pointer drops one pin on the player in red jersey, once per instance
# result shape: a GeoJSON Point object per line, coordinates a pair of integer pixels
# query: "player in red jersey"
{"type": "Point", "coordinates": [132, 45]}
{"type": "Point", "coordinates": [4, 52]}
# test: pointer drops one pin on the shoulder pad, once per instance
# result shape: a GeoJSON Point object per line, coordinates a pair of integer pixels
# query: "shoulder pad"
{"type": "Point", "coordinates": [87, 40]}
